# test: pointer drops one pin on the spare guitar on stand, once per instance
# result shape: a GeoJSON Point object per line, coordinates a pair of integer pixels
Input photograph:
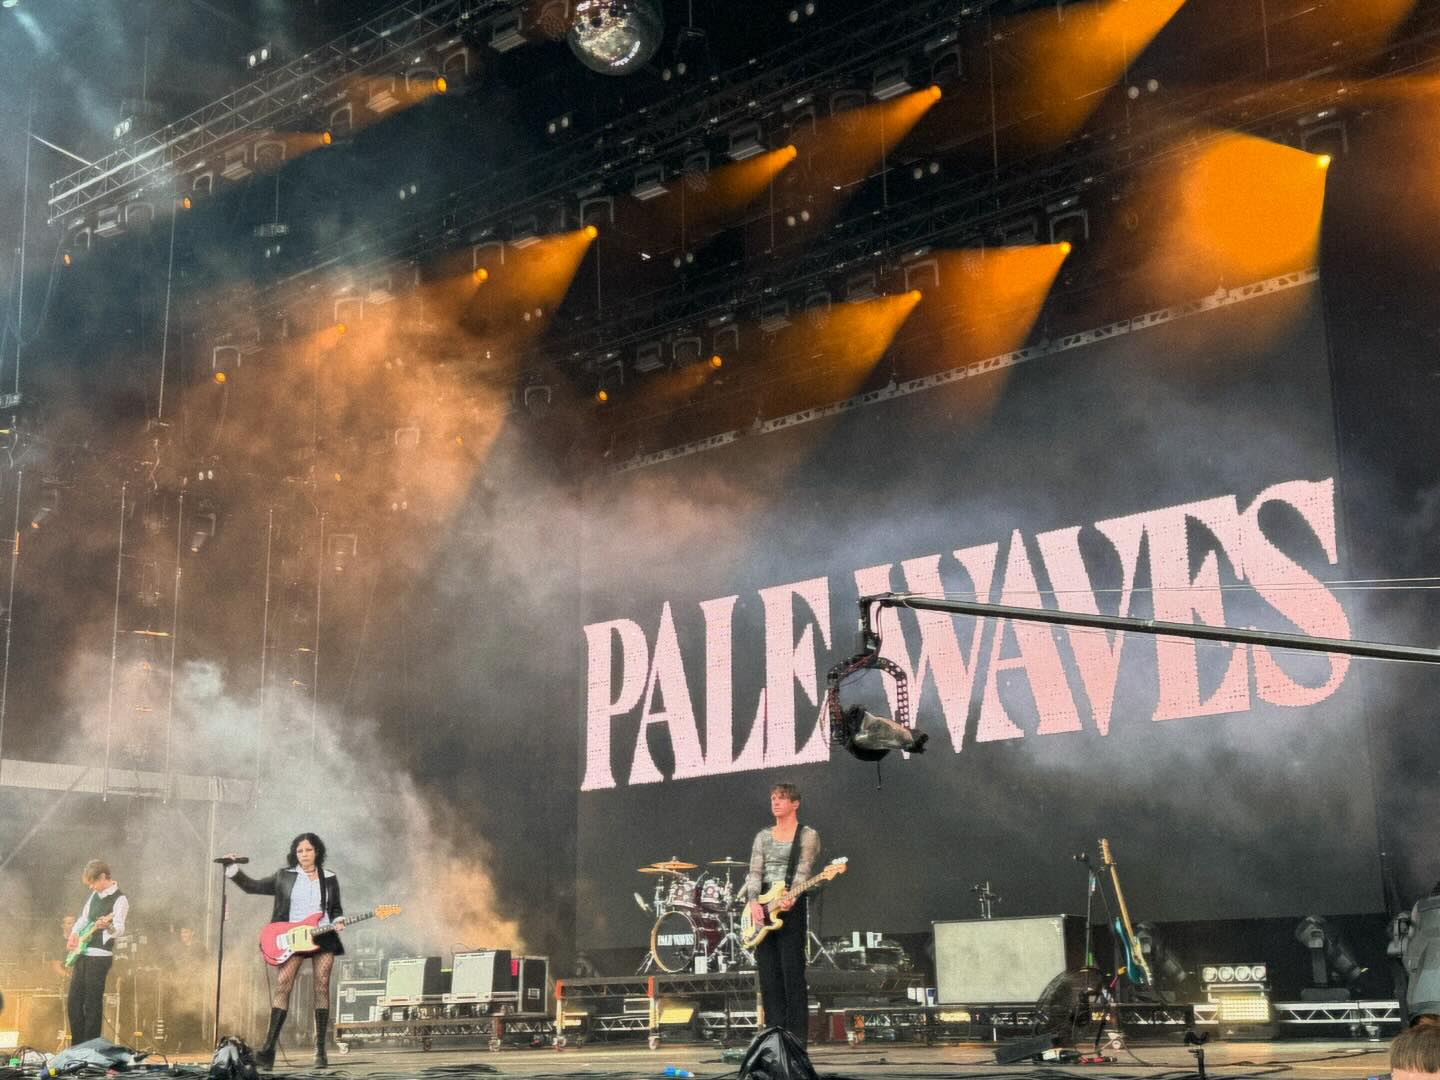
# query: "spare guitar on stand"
{"type": "Point", "coordinates": [1133, 973]}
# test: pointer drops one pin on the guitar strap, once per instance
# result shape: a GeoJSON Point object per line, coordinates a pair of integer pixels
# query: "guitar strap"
{"type": "Point", "coordinates": [794, 855]}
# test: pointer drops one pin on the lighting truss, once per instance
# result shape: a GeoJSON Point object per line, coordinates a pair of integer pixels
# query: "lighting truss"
{"type": "Point", "coordinates": [282, 95]}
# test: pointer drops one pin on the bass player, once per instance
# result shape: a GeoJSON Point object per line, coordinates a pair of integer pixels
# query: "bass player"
{"type": "Point", "coordinates": [786, 851]}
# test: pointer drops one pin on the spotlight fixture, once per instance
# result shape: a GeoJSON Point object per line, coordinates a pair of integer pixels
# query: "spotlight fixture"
{"type": "Point", "coordinates": [326, 137]}
{"type": "Point", "coordinates": [255, 57]}
{"type": "Point", "coordinates": [602, 395]}
{"type": "Point", "coordinates": [616, 37]}
{"type": "Point", "coordinates": [717, 361]}
{"type": "Point", "coordinates": [9, 3]}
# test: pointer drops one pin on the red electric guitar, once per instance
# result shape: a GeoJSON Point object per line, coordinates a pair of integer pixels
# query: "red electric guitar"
{"type": "Point", "coordinates": [281, 940]}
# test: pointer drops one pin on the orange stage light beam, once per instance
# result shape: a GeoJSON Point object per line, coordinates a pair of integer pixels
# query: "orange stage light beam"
{"type": "Point", "coordinates": [725, 192]}
{"type": "Point", "coordinates": [849, 342]}
{"type": "Point", "coordinates": [846, 148]}
{"type": "Point", "coordinates": [1061, 67]}
{"type": "Point", "coordinates": [1243, 210]}
{"type": "Point", "coordinates": [988, 299]}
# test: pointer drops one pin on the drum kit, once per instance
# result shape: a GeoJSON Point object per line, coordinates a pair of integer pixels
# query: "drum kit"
{"type": "Point", "coordinates": [697, 918]}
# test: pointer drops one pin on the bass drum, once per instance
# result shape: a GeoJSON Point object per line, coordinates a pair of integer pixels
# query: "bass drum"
{"type": "Point", "coordinates": [678, 937]}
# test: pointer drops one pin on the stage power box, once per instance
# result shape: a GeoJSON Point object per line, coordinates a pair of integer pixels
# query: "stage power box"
{"type": "Point", "coordinates": [358, 1000]}
{"type": "Point", "coordinates": [1004, 961]}
{"type": "Point", "coordinates": [413, 980]}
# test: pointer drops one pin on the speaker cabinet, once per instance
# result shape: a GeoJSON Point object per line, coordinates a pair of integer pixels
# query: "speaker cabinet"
{"type": "Point", "coordinates": [412, 979]}
{"type": "Point", "coordinates": [479, 976]}
{"type": "Point", "coordinates": [1004, 961]}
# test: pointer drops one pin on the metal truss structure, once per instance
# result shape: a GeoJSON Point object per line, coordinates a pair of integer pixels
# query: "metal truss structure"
{"type": "Point", "coordinates": [1026, 354]}
{"type": "Point", "coordinates": [282, 96]}
{"type": "Point", "coordinates": [705, 1006]}
{"type": "Point", "coordinates": [416, 1024]}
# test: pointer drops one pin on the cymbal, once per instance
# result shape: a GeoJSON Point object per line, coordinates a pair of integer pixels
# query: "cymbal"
{"type": "Point", "coordinates": [727, 861]}
{"type": "Point", "coordinates": [656, 870]}
{"type": "Point", "coordinates": [674, 864]}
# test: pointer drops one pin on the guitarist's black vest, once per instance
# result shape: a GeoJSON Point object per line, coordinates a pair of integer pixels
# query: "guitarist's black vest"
{"type": "Point", "coordinates": [100, 906]}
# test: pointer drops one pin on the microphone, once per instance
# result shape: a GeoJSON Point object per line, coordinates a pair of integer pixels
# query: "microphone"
{"type": "Point", "coordinates": [226, 860]}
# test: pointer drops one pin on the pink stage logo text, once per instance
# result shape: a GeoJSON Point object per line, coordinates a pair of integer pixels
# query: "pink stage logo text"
{"type": "Point", "coordinates": [652, 678]}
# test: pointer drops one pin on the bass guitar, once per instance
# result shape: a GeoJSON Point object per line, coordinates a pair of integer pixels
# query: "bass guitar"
{"type": "Point", "coordinates": [751, 933]}
{"type": "Point", "coordinates": [1137, 968]}
{"type": "Point", "coordinates": [281, 940]}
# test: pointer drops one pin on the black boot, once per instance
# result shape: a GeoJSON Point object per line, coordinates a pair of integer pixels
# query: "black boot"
{"type": "Point", "coordinates": [322, 1029]}
{"type": "Point", "coordinates": [265, 1056]}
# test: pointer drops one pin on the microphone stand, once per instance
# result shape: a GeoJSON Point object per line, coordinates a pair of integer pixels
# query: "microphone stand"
{"type": "Point", "coordinates": [220, 960]}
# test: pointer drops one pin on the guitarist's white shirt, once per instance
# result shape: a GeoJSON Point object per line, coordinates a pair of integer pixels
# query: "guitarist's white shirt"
{"type": "Point", "coordinates": [305, 896]}
{"type": "Point", "coordinates": [117, 925]}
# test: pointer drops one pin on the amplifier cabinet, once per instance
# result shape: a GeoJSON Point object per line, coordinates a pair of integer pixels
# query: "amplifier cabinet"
{"type": "Point", "coordinates": [358, 1000]}
{"type": "Point", "coordinates": [1004, 961]}
{"type": "Point", "coordinates": [413, 979]}
{"type": "Point", "coordinates": [351, 968]}
{"type": "Point", "coordinates": [532, 975]}
{"type": "Point", "coordinates": [478, 976]}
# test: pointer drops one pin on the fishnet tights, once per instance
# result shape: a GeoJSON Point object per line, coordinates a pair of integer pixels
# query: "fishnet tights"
{"type": "Point", "coordinates": [321, 963]}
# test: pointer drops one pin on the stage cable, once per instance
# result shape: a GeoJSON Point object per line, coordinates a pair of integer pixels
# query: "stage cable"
{"type": "Point", "coordinates": [10, 612]}
{"type": "Point", "coordinates": [114, 646]}
{"type": "Point", "coordinates": [264, 658]}
{"type": "Point", "coordinates": [174, 635]}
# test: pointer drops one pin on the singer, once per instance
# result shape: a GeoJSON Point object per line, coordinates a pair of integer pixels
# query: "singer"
{"type": "Point", "coordinates": [301, 888]}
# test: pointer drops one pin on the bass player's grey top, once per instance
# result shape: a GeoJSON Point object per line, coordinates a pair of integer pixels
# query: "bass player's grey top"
{"type": "Point", "coordinates": [769, 860]}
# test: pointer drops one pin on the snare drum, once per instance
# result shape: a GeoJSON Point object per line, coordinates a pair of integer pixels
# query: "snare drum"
{"type": "Point", "coordinates": [684, 894]}
{"type": "Point", "coordinates": [715, 895]}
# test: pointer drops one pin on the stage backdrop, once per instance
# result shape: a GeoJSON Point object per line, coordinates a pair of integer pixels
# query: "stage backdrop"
{"type": "Point", "coordinates": [1181, 469]}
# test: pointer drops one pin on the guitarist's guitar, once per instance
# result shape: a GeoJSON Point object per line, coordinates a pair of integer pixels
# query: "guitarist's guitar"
{"type": "Point", "coordinates": [1137, 968]}
{"type": "Point", "coordinates": [281, 940]}
{"type": "Point", "coordinates": [82, 942]}
{"type": "Point", "coordinates": [752, 934]}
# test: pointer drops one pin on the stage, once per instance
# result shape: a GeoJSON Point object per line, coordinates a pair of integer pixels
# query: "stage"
{"type": "Point", "coordinates": [1294, 1058]}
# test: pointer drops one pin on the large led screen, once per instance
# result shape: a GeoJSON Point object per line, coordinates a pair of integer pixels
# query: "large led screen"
{"type": "Point", "coordinates": [1179, 468]}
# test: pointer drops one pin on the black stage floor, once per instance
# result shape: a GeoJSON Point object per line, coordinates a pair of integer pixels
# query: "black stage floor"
{"type": "Point", "coordinates": [1229, 1060]}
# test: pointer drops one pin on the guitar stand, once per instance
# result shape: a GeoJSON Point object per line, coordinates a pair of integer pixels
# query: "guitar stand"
{"type": "Point", "coordinates": [815, 950]}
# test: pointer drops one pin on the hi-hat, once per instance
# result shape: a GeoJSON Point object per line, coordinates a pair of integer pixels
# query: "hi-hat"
{"type": "Point", "coordinates": [727, 861]}
{"type": "Point", "coordinates": [674, 865]}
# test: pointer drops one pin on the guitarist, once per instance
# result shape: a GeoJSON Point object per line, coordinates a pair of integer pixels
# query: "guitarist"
{"type": "Point", "coordinates": [103, 915]}
{"type": "Point", "coordinates": [301, 888]}
{"type": "Point", "coordinates": [787, 851]}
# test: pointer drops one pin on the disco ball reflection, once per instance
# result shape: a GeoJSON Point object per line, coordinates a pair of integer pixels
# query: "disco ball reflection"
{"type": "Point", "coordinates": [615, 37]}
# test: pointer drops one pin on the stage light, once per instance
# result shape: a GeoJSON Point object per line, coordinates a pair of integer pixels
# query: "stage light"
{"type": "Point", "coordinates": [66, 259]}
{"type": "Point", "coordinates": [1066, 247]}
{"type": "Point", "coordinates": [591, 231]}
{"type": "Point", "coordinates": [616, 37]}
{"type": "Point", "coordinates": [10, 3]}
{"type": "Point", "coordinates": [602, 395]}
{"type": "Point", "coordinates": [340, 328]}
{"type": "Point", "coordinates": [936, 92]}
{"type": "Point", "coordinates": [717, 361]}
{"type": "Point", "coordinates": [326, 138]}
{"type": "Point", "coordinates": [481, 275]}
{"type": "Point", "coordinates": [220, 377]}
{"type": "Point", "coordinates": [1323, 161]}
{"type": "Point", "coordinates": [441, 84]}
